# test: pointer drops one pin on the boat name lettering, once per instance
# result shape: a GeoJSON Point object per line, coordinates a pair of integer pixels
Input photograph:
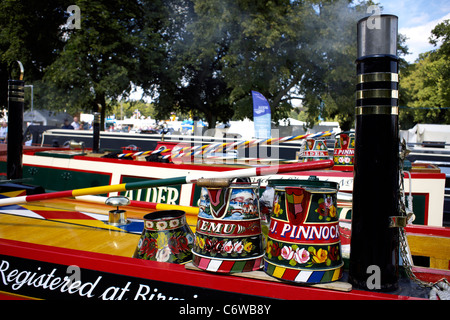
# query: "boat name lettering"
{"type": "Point", "coordinates": [62, 282]}
{"type": "Point", "coordinates": [283, 230]}
{"type": "Point", "coordinates": [310, 153]}
{"type": "Point", "coordinates": [167, 195]}
{"type": "Point", "coordinates": [348, 152]}
{"type": "Point", "coordinates": [216, 227]}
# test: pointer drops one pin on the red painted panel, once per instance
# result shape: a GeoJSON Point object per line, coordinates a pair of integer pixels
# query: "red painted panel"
{"type": "Point", "coordinates": [173, 273]}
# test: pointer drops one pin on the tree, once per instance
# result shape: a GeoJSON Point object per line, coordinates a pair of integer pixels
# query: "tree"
{"type": "Point", "coordinates": [30, 31]}
{"type": "Point", "coordinates": [427, 92]}
{"type": "Point", "coordinates": [331, 94]}
{"type": "Point", "coordinates": [441, 33]}
{"type": "Point", "coordinates": [284, 49]}
{"type": "Point", "coordinates": [126, 109]}
{"type": "Point", "coordinates": [190, 77]}
{"type": "Point", "coordinates": [101, 59]}
{"type": "Point", "coordinates": [425, 85]}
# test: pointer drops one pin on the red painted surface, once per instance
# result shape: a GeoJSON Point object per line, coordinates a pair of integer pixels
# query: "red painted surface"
{"type": "Point", "coordinates": [178, 274]}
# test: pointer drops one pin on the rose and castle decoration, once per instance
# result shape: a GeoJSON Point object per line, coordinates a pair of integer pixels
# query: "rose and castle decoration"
{"type": "Point", "coordinates": [300, 242]}
{"type": "Point", "coordinates": [166, 238]}
{"type": "Point", "coordinates": [303, 239]}
{"type": "Point", "coordinates": [228, 228]}
{"type": "Point", "coordinates": [296, 254]}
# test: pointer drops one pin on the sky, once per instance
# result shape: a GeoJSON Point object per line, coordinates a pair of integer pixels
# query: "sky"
{"type": "Point", "coordinates": [416, 19]}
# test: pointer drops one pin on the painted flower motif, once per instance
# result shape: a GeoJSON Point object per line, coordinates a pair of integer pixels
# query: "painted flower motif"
{"type": "Point", "coordinates": [326, 208]}
{"type": "Point", "coordinates": [178, 244]}
{"type": "Point", "coordinates": [218, 246]}
{"type": "Point", "coordinates": [320, 256]}
{"type": "Point", "coordinates": [163, 254]}
{"type": "Point", "coordinates": [173, 245]}
{"type": "Point", "coordinates": [208, 245]}
{"type": "Point", "coordinates": [148, 247]}
{"type": "Point", "coordinates": [277, 209]}
{"type": "Point", "coordinates": [190, 238]}
{"type": "Point", "coordinates": [228, 247]}
{"type": "Point", "coordinates": [161, 225]}
{"type": "Point", "coordinates": [200, 242]}
{"type": "Point", "coordinates": [248, 247]}
{"type": "Point", "coordinates": [301, 255]}
{"type": "Point", "coordinates": [269, 246]}
{"type": "Point", "coordinates": [238, 247]}
{"type": "Point", "coordinates": [224, 247]}
{"type": "Point", "coordinates": [276, 250]}
{"type": "Point", "coordinates": [333, 211]}
{"type": "Point", "coordinates": [162, 240]}
{"type": "Point", "coordinates": [174, 223]}
{"type": "Point", "coordinates": [322, 210]}
{"type": "Point", "coordinates": [333, 253]}
{"type": "Point", "coordinates": [287, 253]}
{"type": "Point", "coordinates": [328, 201]}
{"type": "Point", "coordinates": [149, 224]}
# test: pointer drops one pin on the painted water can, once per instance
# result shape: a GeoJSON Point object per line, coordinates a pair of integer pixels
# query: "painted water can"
{"type": "Point", "coordinates": [344, 151]}
{"type": "Point", "coordinates": [228, 236]}
{"type": "Point", "coordinates": [304, 241]}
{"type": "Point", "coordinates": [166, 238]}
{"type": "Point", "coordinates": [314, 149]}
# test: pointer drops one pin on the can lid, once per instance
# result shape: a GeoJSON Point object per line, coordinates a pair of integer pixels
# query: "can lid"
{"type": "Point", "coordinates": [314, 185]}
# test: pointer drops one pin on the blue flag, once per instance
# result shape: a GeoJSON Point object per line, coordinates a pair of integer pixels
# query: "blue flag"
{"type": "Point", "coordinates": [261, 116]}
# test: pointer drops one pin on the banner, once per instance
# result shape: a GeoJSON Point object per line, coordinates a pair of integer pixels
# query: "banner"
{"type": "Point", "coordinates": [261, 116]}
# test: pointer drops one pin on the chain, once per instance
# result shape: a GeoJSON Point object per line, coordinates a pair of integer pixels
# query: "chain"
{"type": "Point", "coordinates": [407, 212]}
{"type": "Point", "coordinates": [439, 289]}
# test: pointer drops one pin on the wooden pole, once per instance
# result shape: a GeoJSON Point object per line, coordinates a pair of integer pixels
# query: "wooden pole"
{"type": "Point", "coordinates": [241, 173]}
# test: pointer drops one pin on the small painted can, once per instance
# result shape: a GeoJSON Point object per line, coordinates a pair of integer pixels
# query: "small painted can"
{"type": "Point", "coordinates": [314, 149]}
{"type": "Point", "coordinates": [344, 151]}
{"type": "Point", "coordinates": [166, 238]}
{"type": "Point", "coordinates": [304, 241]}
{"type": "Point", "coordinates": [228, 236]}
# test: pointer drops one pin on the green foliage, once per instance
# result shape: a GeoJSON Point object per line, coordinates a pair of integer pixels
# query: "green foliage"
{"type": "Point", "coordinates": [99, 59]}
{"type": "Point", "coordinates": [204, 57]}
{"type": "Point", "coordinates": [425, 85]}
{"type": "Point", "coordinates": [126, 109]}
{"type": "Point", "coordinates": [30, 33]}
{"type": "Point", "coordinates": [283, 49]}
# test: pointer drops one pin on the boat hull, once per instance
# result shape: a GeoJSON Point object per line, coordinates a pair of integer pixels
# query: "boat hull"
{"type": "Point", "coordinates": [58, 170]}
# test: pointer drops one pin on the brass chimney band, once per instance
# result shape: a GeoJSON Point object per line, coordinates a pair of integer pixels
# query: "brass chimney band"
{"type": "Point", "coordinates": [377, 76]}
{"type": "Point", "coordinates": [376, 110]}
{"type": "Point", "coordinates": [377, 93]}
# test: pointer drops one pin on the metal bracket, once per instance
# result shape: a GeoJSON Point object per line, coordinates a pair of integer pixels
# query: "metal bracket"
{"type": "Point", "coordinates": [397, 222]}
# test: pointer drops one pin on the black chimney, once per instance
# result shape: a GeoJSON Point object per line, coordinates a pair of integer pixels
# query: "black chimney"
{"type": "Point", "coordinates": [15, 126]}
{"type": "Point", "coordinates": [374, 243]}
{"type": "Point", "coordinates": [96, 132]}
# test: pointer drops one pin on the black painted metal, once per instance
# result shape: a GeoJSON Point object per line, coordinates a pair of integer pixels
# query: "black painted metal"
{"type": "Point", "coordinates": [96, 132]}
{"type": "Point", "coordinates": [15, 129]}
{"type": "Point", "coordinates": [374, 245]}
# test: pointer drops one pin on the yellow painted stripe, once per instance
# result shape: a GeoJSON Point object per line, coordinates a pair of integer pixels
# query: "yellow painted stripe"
{"type": "Point", "coordinates": [40, 208]}
{"type": "Point", "coordinates": [19, 295]}
{"type": "Point", "coordinates": [89, 223]}
{"type": "Point", "coordinates": [99, 190]}
{"type": "Point", "coordinates": [278, 272]}
{"type": "Point", "coordinates": [336, 274]}
{"type": "Point", "coordinates": [165, 206]}
{"type": "Point", "coordinates": [12, 194]}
